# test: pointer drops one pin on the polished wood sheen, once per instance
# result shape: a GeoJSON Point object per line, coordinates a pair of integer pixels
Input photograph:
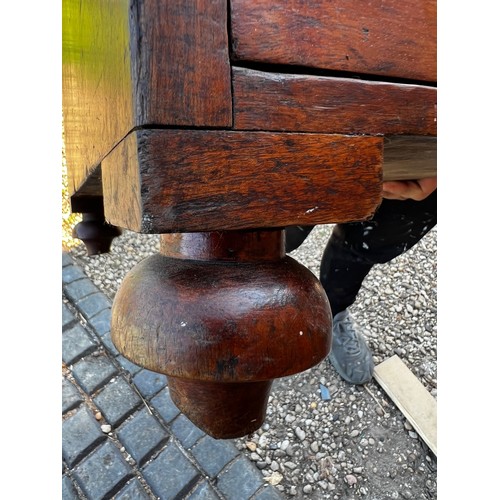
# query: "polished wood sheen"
{"type": "Point", "coordinates": [390, 38]}
{"type": "Point", "coordinates": [160, 181]}
{"type": "Point", "coordinates": [241, 246]}
{"type": "Point", "coordinates": [222, 410]}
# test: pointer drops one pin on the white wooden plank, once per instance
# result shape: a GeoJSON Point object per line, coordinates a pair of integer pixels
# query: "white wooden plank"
{"type": "Point", "coordinates": [411, 397]}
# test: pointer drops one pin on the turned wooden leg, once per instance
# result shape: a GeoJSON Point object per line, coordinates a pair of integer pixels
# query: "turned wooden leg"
{"type": "Point", "coordinates": [96, 233]}
{"type": "Point", "coordinates": [222, 314]}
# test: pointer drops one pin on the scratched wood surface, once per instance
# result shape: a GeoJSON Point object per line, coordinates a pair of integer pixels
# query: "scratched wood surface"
{"type": "Point", "coordinates": [160, 181]}
{"type": "Point", "coordinates": [393, 38]}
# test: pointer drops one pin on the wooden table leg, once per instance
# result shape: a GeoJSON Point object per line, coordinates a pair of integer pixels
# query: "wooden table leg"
{"type": "Point", "coordinates": [222, 314]}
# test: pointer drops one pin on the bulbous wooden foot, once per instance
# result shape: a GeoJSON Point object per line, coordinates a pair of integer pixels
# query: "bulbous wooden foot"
{"type": "Point", "coordinates": [222, 315]}
{"type": "Point", "coordinates": [96, 233]}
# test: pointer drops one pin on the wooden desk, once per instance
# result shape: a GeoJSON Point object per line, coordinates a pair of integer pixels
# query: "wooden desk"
{"type": "Point", "coordinates": [216, 124]}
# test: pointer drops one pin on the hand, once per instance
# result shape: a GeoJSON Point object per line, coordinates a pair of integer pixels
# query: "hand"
{"type": "Point", "coordinates": [416, 190]}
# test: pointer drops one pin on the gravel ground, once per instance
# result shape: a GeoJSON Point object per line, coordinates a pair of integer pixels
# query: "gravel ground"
{"type": "Point", "coordinates": [356, 444]}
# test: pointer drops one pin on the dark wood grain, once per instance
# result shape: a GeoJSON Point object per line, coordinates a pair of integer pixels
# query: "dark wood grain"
{"type": "Point", "coordinates": [180, 58]}
{"type": "Point", "coordinates": [306, 103]}
{"type": "Point", "coordinates": [241, 246]}
{"type": "Point", "coordinates": [392, 38]}
{"type": "Point", "coordinates": [147, 94]}
{"type": "Point", "coordinates": [159, 181]}
{"type": "Point", "coordinates": [131, 63]}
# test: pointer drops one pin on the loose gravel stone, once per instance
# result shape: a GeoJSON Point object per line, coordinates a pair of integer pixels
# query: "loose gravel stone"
{"type": "Point", "coordinates": [251, 445]}
{"type": "Point", "coordinates": [351, 480]}
{"type": "Point", "coordinates": [300, 433]}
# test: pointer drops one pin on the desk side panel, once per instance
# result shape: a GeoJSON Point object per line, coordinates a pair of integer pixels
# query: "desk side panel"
{"type": "Point", "coordinates": [96, 85]}
{"type": "Point", "coordinates": [131, 63]}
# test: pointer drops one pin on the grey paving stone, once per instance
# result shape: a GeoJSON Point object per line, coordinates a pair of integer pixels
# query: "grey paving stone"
{"type": "Point", "coordinates": [170, 474]}
{"type": "Point", "coordinates": [149, 383]}
{"type": "Point", "coordinates": [117, 401]}
{"type": "Point", "coordinates": [103, 472]}
{"type": "Point", "coordinates": [185, 431]}
{"type": "Point", "coordinates": [78, 289]}
{"type": "Point", "coordinates": [142, 435]}
{"type": "Point", "coordinates": [132, 491]}
{"type": "Point", "coordinates": [108, 343]}
{"type": "Point", "coordinates": [71, 398]}
{"type": "Point", "coordinates": [164, 405]}
{"type": "Point", "coordinates": [240, 480]}
{"type": "Point", "coordinates": [101, 322]}
{"type": "Point", "coordinates": [72, 273]}
{"type": "Point", "coordinates": [68, 489]}
{"type": "Point", "coordinates": [203, 491]}
{"type": "Point", "coordinates": [80, 434]}
{"type": "Point", "coordinates": [67, 316]}
{"type": "Point", "coordinates": [66, 259]}
{"type": "Point", "coordinates": [76, 343]}
{"type": "Point", "coordinates": [213, 454]}
{"type": "Point", "coordinates": [93, 372]}
{"type": "Point", "coordinates": [268, 493]}
{"type": "Point", "coordinates": [92, 304]}
{"type": "Point", "coordinates": [128, 365]}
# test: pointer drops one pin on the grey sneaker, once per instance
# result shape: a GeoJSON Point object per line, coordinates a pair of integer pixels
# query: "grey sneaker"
{"type": "Point", "coordinates": [350, 355]}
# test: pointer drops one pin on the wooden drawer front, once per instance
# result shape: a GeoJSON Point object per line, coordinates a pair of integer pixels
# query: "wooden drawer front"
{"type": "Point", "coordinates": [309, 103]}
{"type": "Point", "coordinates": [391, 38]}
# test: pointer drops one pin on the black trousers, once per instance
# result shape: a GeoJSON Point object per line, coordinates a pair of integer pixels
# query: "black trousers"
{"type": "Point", "coordinates": [354, 248]}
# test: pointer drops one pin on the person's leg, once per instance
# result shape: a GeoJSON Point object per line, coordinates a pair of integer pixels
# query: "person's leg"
{"type": "Point", "coordinates": [295, 236]}
{"type": "Point", "coordinates": [354, 248]}
{"type": "Point", "coordinates": [351, 252]}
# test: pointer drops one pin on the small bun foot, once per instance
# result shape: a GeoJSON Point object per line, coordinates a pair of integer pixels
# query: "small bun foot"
{"type": "Point", "coordinates": [96, 233]}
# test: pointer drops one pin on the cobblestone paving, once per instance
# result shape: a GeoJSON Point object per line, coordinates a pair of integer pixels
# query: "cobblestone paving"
{"type": "Point", "coordinates": [122, 436]}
